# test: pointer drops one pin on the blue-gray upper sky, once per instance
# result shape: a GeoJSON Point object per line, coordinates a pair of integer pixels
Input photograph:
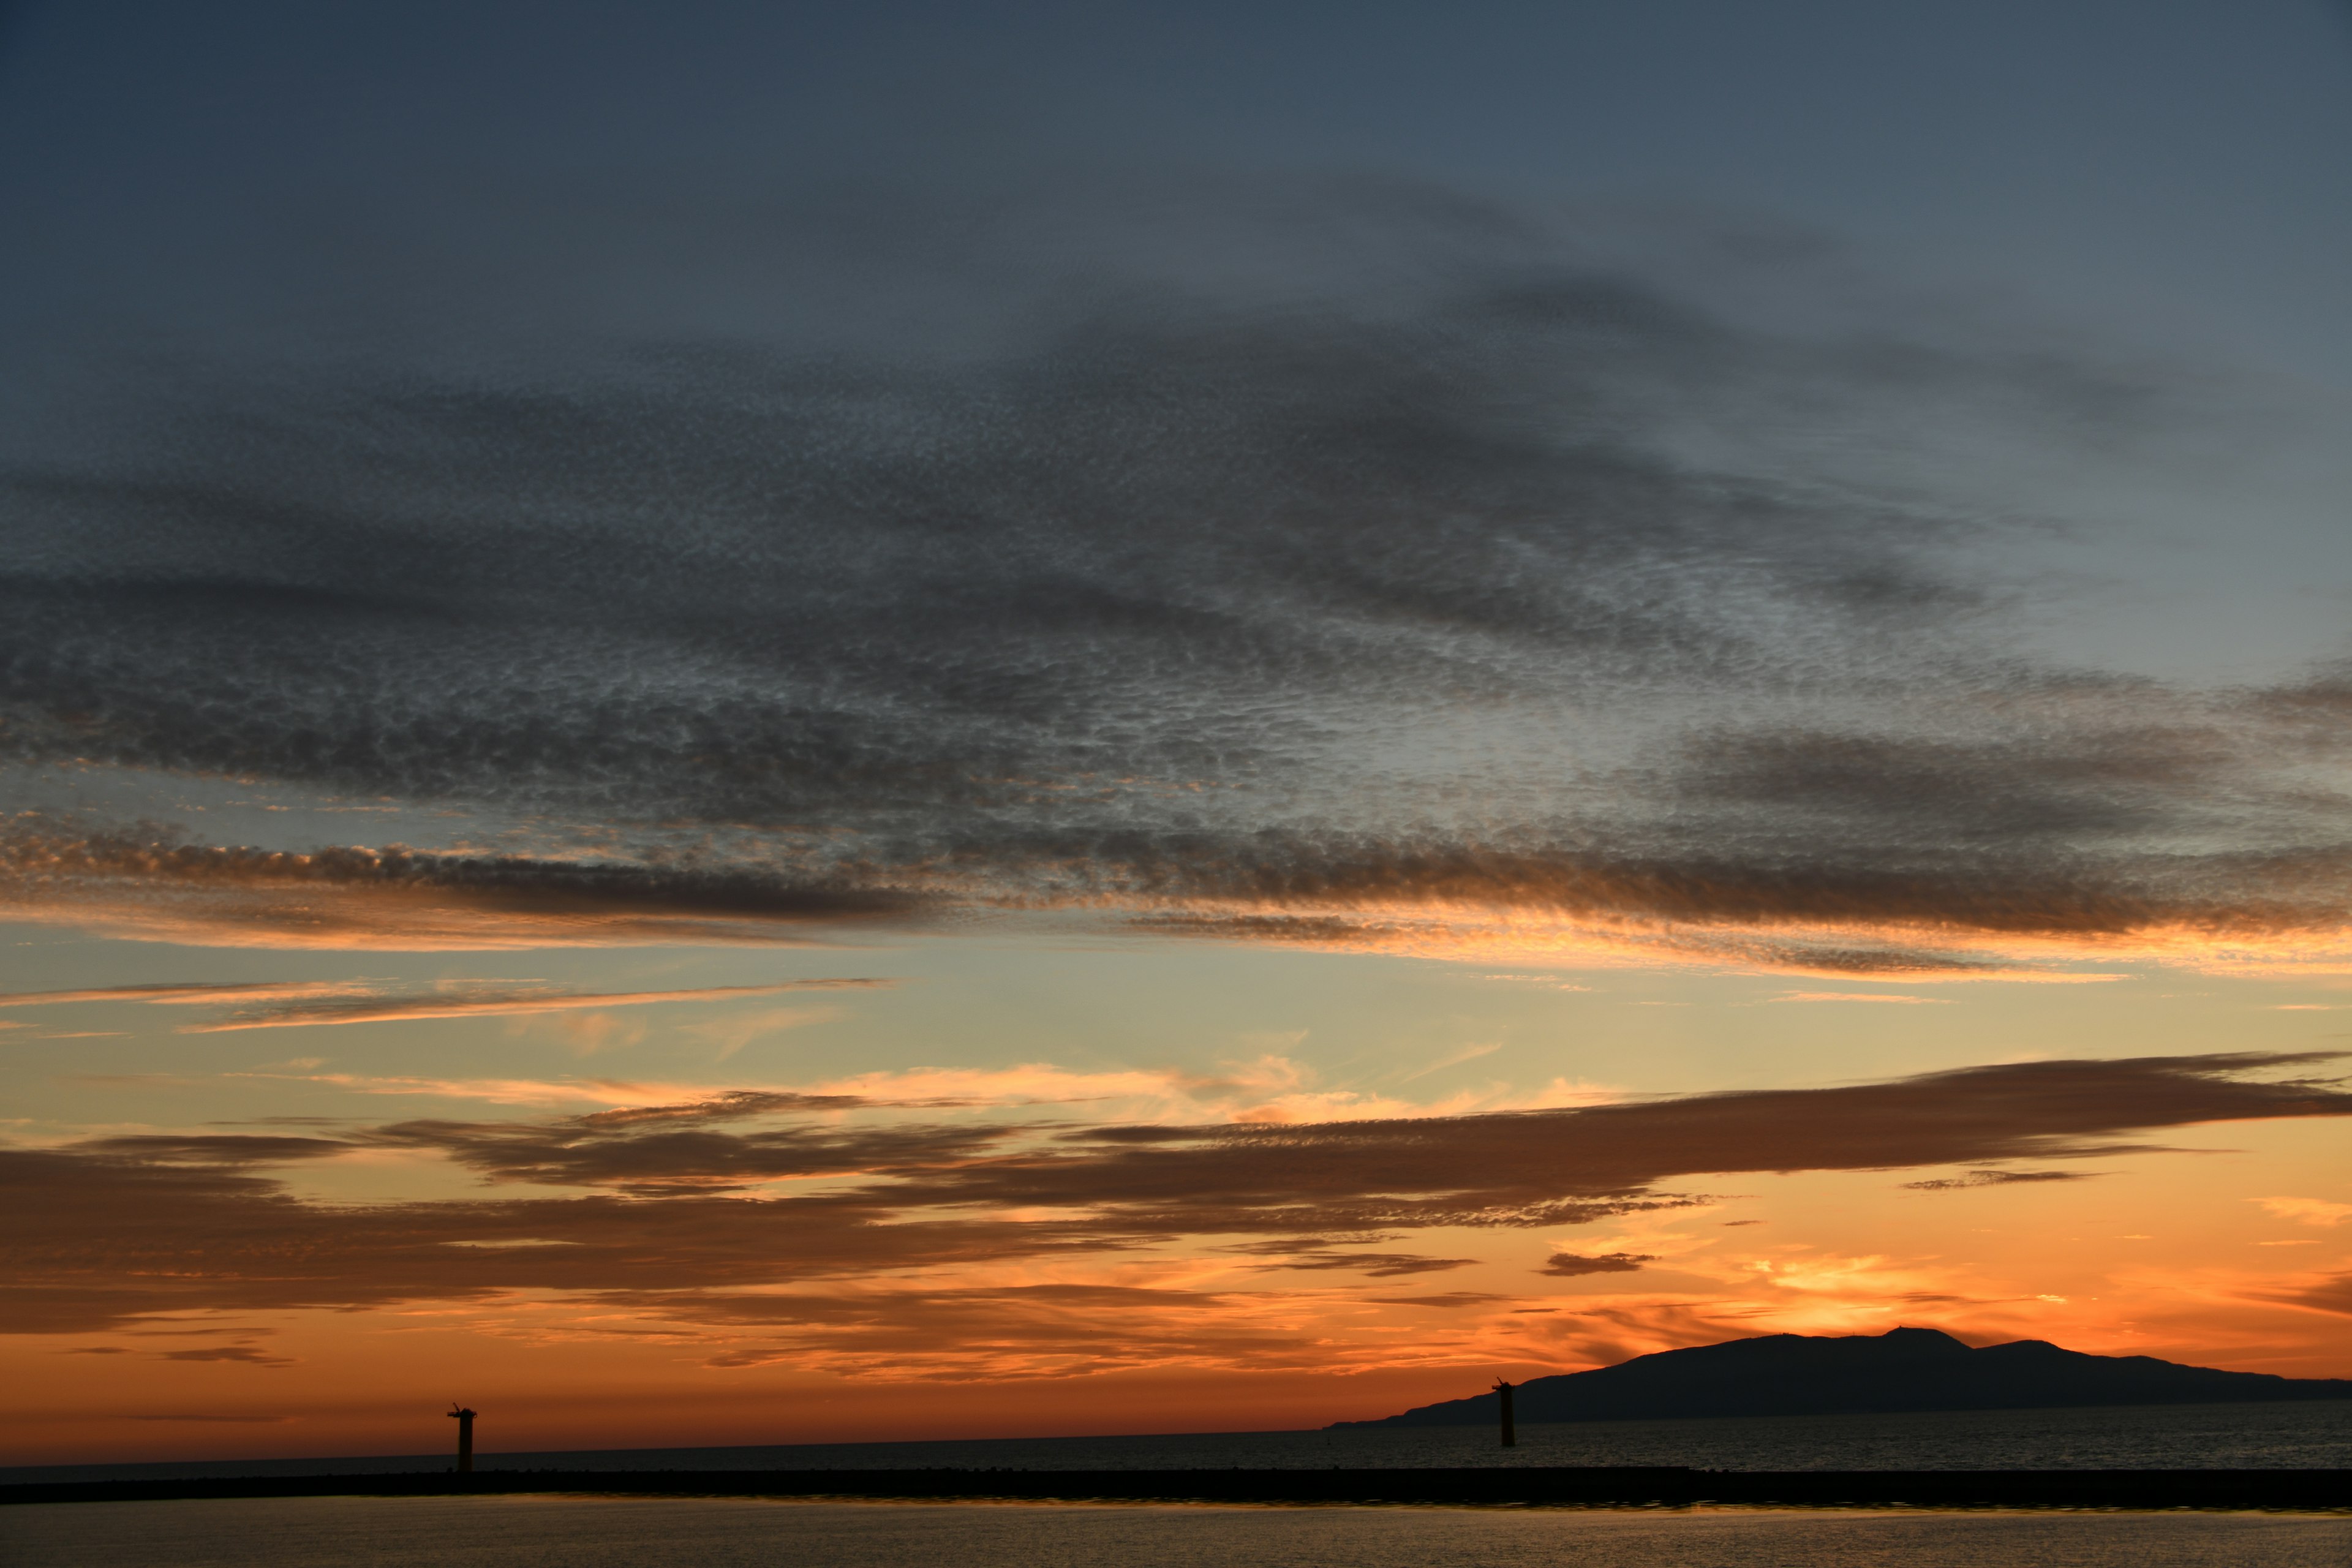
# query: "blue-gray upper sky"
{"type": "Point", "coordinates": [1835, 457]}
{"type": "Point", "coordinates": [2166, 162]}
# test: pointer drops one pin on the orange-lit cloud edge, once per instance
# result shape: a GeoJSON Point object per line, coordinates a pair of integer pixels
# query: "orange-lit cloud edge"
{"type": "Point", "coordinates": [774, 1225]}
{"type": "Point", "coordinates": [1493, 910]}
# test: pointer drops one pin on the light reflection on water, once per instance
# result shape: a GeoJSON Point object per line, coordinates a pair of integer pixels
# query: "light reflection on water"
{"type": "Point", "coordinates": [584, 1532]}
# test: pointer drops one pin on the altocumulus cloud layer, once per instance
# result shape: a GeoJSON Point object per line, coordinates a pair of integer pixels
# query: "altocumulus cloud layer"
{"type": "Point", "coordinates": [764, 1210]}
{"type": "Point", "coordinates": [1308, 577]}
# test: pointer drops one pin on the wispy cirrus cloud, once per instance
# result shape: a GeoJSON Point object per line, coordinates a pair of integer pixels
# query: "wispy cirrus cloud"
{"type": "Point", "coordinates": [488, 1001]}
{"type": "Point", "coordinates": [1897, 998]}
{"type": "Point", "coordinates": [222, 993]}
{"type": "Point", "coordinates": [282, 1004]}
{"type": "Point", "coordinates": [2307, 1211]}
{"type": "Point", "coordinates": [1267, 1091]}
{"type": "Point", "coordinates": [2323, 1293]}
{"type": "Point", "coordinates": [1318, 1255]}
{"type": "Point", "coordinates": [1996, 1179]}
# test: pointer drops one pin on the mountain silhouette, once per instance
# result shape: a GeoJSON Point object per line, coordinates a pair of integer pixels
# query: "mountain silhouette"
{"type": "Point", "coordinates": [1904, 1369]}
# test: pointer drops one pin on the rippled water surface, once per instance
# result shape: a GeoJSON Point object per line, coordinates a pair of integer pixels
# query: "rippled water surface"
{"type": "Point", "coordinates": [590, 1532]}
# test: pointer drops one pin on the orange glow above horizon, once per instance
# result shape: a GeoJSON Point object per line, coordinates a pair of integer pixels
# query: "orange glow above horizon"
{"type": "Point", "coordinates": [992, 1287]}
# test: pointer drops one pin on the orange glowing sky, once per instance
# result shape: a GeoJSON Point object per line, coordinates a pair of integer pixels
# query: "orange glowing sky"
{"type": "Point", "coordinates": [607, 1219]}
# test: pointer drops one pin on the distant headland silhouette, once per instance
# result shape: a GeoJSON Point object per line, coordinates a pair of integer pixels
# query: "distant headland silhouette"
{"type": "Point", "coordinates": [1902, 1370]}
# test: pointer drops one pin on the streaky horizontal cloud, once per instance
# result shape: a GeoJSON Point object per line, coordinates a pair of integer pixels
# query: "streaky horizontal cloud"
{"type": "Point", "coordinates": [117, 1227]}
{"type": "Point", "coordinates": [153, 885]}
{"type": "Point", "coordinates": [1508, 1167]}
{"type": "Point", "coordinates": [221, 1149]}
{"type": "Point", "coordinates": [1857, 996]}
{"type": "Point", "coordinates": [115, 1239]}
{"type": "Point", "coordinates": [734, 1106]}
{"type": "Point", "coordinates": [2307, 1211]}
{"type": "Point", "coordinates": [1533, 932]}
{"type": "Point", "coordinates": [1996, 1179]}
{"type": "Point", "coordinates": [654, 1157]}
{"type": "Point", "coordinates": [2332, 1293]}
{"type": "Point", "coordinates": [1987, 921]}
{"type": "Point", "coordinates": [1536, 1167]}
{"type": "Point", "coordinates": [1377, 1265]}
{"type": "Point", "coordinates": [247, 1355]}
{"type": "Point", "coordinates": [1965, 894]}
{"type": "Point", "coordinates": [1271, 1088]}
{"type": "Point", "coordinates": [490, 1091]}
{"type": "Point", "coordinates": [1569, 1266]}
{"type": "Point", "coordinates": [489, 1002]}
{"type": "Point", "coordinates": [198, 994]}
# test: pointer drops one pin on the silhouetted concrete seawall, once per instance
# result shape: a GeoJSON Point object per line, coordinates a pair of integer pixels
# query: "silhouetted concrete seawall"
{"type": "Point", "coordinates": [1521, 1487]}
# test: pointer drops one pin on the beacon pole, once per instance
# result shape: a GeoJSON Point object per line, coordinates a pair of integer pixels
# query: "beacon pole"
{"type": "Point", "coordinates": [1510, 1432]}
{"type": "Point", "coordinates": [465, 1420]}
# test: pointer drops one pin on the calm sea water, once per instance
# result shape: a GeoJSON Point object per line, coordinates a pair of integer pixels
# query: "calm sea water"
{"type": "Point", "coordinates": [586, 1532]}
{"type": "Point", "coordinates": [2171, 1436]}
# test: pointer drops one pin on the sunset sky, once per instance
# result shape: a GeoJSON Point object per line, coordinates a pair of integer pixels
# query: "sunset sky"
{"type": "Point", "coordinates": [817, 722]}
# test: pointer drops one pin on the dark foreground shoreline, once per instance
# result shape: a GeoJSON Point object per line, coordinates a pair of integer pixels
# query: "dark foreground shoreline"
{"type": "Point", "coordinates": [1528, 1487]}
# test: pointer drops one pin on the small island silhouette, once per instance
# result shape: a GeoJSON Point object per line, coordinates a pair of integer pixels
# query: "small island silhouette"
{"type": "Point", "coordinates": [1902, 1370]}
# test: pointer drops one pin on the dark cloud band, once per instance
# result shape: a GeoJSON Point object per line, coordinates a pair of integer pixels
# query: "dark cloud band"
{"type": "Point", "coordinates": [673, 1203]}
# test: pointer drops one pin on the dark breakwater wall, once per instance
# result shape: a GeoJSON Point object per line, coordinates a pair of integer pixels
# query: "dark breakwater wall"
{"type": "Point", "coordinates": [1521, 1487]}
